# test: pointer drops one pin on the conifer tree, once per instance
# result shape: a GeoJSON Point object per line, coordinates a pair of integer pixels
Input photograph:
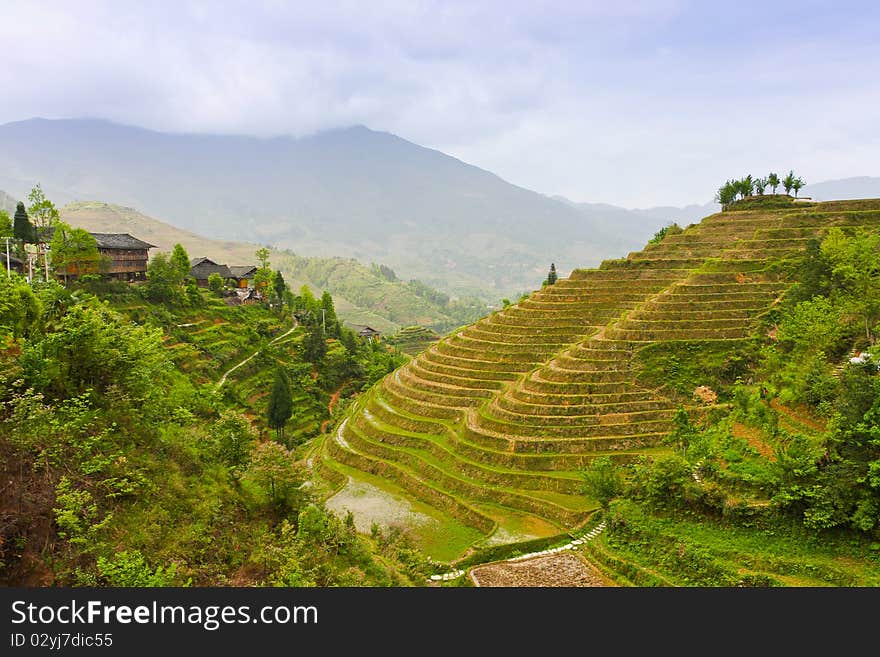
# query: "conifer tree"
{"type": "Point", "coordinates": [22, 229]}
{"type": "Point", "coordinates": [551, 277]}
{"type": "Point", "coordinates": [280, 404]}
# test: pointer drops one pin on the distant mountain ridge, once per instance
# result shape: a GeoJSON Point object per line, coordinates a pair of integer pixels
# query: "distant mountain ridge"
{"type": "Point", "coordinates": [348, 192]}
{"type": "Point", "coordinates": [351, 192]}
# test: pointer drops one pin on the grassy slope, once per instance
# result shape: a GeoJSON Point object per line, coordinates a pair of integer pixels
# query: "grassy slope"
{"type": "Point", "coordinates": [361, 296]}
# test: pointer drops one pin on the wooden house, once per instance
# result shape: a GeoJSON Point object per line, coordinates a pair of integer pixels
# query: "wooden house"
{"type": "Point", "coordinates": [127, 255]}
{"type": "Point", "coordinates": [243, 275]}
{"type": "Point", "coordinates": [204, 267]}
{"type": "Point", "coordinates": [367, 332]}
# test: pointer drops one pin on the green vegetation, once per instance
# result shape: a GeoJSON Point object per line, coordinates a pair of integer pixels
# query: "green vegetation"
{"type": "Point", "coordinates": [743, 189]}
{"type": "Point", "coordinates": [136, 468]}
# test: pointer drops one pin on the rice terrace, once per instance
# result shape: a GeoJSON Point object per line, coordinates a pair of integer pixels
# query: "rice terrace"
{"type": "Point", "coordinates": [494, 425]}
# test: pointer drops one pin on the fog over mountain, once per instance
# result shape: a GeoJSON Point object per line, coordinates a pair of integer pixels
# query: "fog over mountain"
{"type": "Point", "coordinates": [351, 192]}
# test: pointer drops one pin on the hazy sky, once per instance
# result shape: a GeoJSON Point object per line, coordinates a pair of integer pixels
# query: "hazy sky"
{"type": "Point", "coordinates": [632, 103]}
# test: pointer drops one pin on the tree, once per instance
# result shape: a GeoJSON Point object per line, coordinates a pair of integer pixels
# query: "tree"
{"type": "Point", "coordinates": [5, 224]}
{"type": "Point", "coordinates": [331, 322]}
{"type": "Point", "coordinates": [163, 279]}
{"type": "Point", "coordinates": [760, 185]}
{"type": "Point", "coordinates": [746, 185]}
{"type": "Point", "coordinates": [602, 481]}
{"type": "Point", "coordinates": [280, 404]}
{"type": "Point", "coordinates": [74, 251]}
{"type": "Point", "coordinates": [551, 276]}
{"type": "Point", "coordinates": [788, 182]}
{"type": "Point", "coordinates": [275, 471]}
{"type": "Point", "coordinates": [23, 229]}
{"type": "Point", "coordinates": [726, 194]}
{"type": "Point", "coordinates": [314, 345]}
{"type": "Point", "coordinates": [215, 282]}
{"type": "Point", "coordinates": [262, 255]}
{"type": "Point", "coordinates": [234, 437]}
{"type": "Point", "coordinates": [180, 261]}
{"type": "Point", "coordinates": [42, 211]}
{"type": "Point", "coordinates": [797, 184]}
{"type": "Point", "coordinates": [855, 273]}
{"type": "Point", "coordinates": [279, 286]}
{"type": "Point", "coordinates": [773, 181]}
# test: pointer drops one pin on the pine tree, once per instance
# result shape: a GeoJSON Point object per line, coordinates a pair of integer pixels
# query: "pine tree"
{"type": "Point", "coordinates": [551, 277]}
{"type": "Point", "coordinates": [280, 404]}
{"type": "Point", "coordinates": [22, 229]}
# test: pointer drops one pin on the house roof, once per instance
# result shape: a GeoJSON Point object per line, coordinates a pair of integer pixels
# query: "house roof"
{"type": "Point", "coordinates": [204, 267]}
{"type": "Point", "coordinates": [110, 241]}
{"type": "Point", "coordinates": [242, 271]}
{"type": "Point", "coordinates": [120, 241]}
{"type": "Point", "coordinates": [364, 329]}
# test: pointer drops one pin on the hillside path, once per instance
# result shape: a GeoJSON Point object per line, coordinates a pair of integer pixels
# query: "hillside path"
{"type": "Point", "coordinates": [235, 367]}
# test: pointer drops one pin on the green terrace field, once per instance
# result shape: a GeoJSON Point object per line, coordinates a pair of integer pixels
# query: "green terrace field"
{"type": "Point", "coordinates": [493, 424]}
{"type": "Point", "coordinates": [413, 340]}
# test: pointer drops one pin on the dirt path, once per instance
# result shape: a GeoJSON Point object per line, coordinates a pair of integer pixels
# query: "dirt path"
{"type": "Point", "coordinates": [235, 367]}
{"type": "Point", "coordinates": [333, 399]}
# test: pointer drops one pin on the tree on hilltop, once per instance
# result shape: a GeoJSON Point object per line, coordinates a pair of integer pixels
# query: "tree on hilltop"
{"type": "Point", "coordinates": [773, 181]}
{"type": "Point", "coordinates": [788, 182]}
{"type": "Point", "coordinates": [796, 185]}
{"type": "Point", "coordinates": [760, 185]}
{"type": "Point", "coordinates": [551, 276]}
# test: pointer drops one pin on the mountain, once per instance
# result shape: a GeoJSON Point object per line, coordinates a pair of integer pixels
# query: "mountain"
{"type": "Point", "coordinates": [844, 189]}
{"type": "Point", "coordinates": [7, 202]}
{"type": "Point", "coordinates": [351, 192]}
{"type": "Point", "coordinates": [362, 294]}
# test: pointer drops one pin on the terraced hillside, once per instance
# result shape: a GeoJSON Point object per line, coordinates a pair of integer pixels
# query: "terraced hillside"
{"type": "Point", "coordinates": [493, 423]}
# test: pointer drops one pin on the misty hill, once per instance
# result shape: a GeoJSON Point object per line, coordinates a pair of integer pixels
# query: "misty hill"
{"type": "Point", "coordinates": [350, 192]}
{"type": "Point", "coordinates": [362, 294]}
{"type": "Point", "coordinates": [844, 189]}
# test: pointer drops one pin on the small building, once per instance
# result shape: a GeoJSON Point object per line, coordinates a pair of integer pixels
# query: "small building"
{"type": "Point", "coordinates": [365, 331]}
{"type": "Point", "coordinates": [127, 255]}
{"type": "Point", "coordinates": [243, 275]}
{"type": "Point", "coordinates": [204, 267]}
{"type": "Point", "coordinates": [14, 264]}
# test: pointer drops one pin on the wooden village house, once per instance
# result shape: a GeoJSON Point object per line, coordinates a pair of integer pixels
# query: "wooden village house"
{"type": "Point", "coordinates": [239, 276]}
{"type": "Point", "coordinates": [127, 255]}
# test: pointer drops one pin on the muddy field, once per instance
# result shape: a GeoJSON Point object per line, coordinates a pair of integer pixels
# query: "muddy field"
{"type": "Point", "coordinates": [563, 569]}
{"type": "Point", "coordinates": [370, 504]}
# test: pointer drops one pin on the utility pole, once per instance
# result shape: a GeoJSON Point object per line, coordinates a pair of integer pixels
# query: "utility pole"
{"type": "Point", "coordinates": [46, 260]}
{"type": "Point", "coordinates": [8, 264]}
{"type": "Point", "coordinates": [323, 324]}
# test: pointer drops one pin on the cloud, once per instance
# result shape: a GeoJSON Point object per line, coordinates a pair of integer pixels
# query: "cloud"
{"type": "Point", "coordinates": [629, 102]}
